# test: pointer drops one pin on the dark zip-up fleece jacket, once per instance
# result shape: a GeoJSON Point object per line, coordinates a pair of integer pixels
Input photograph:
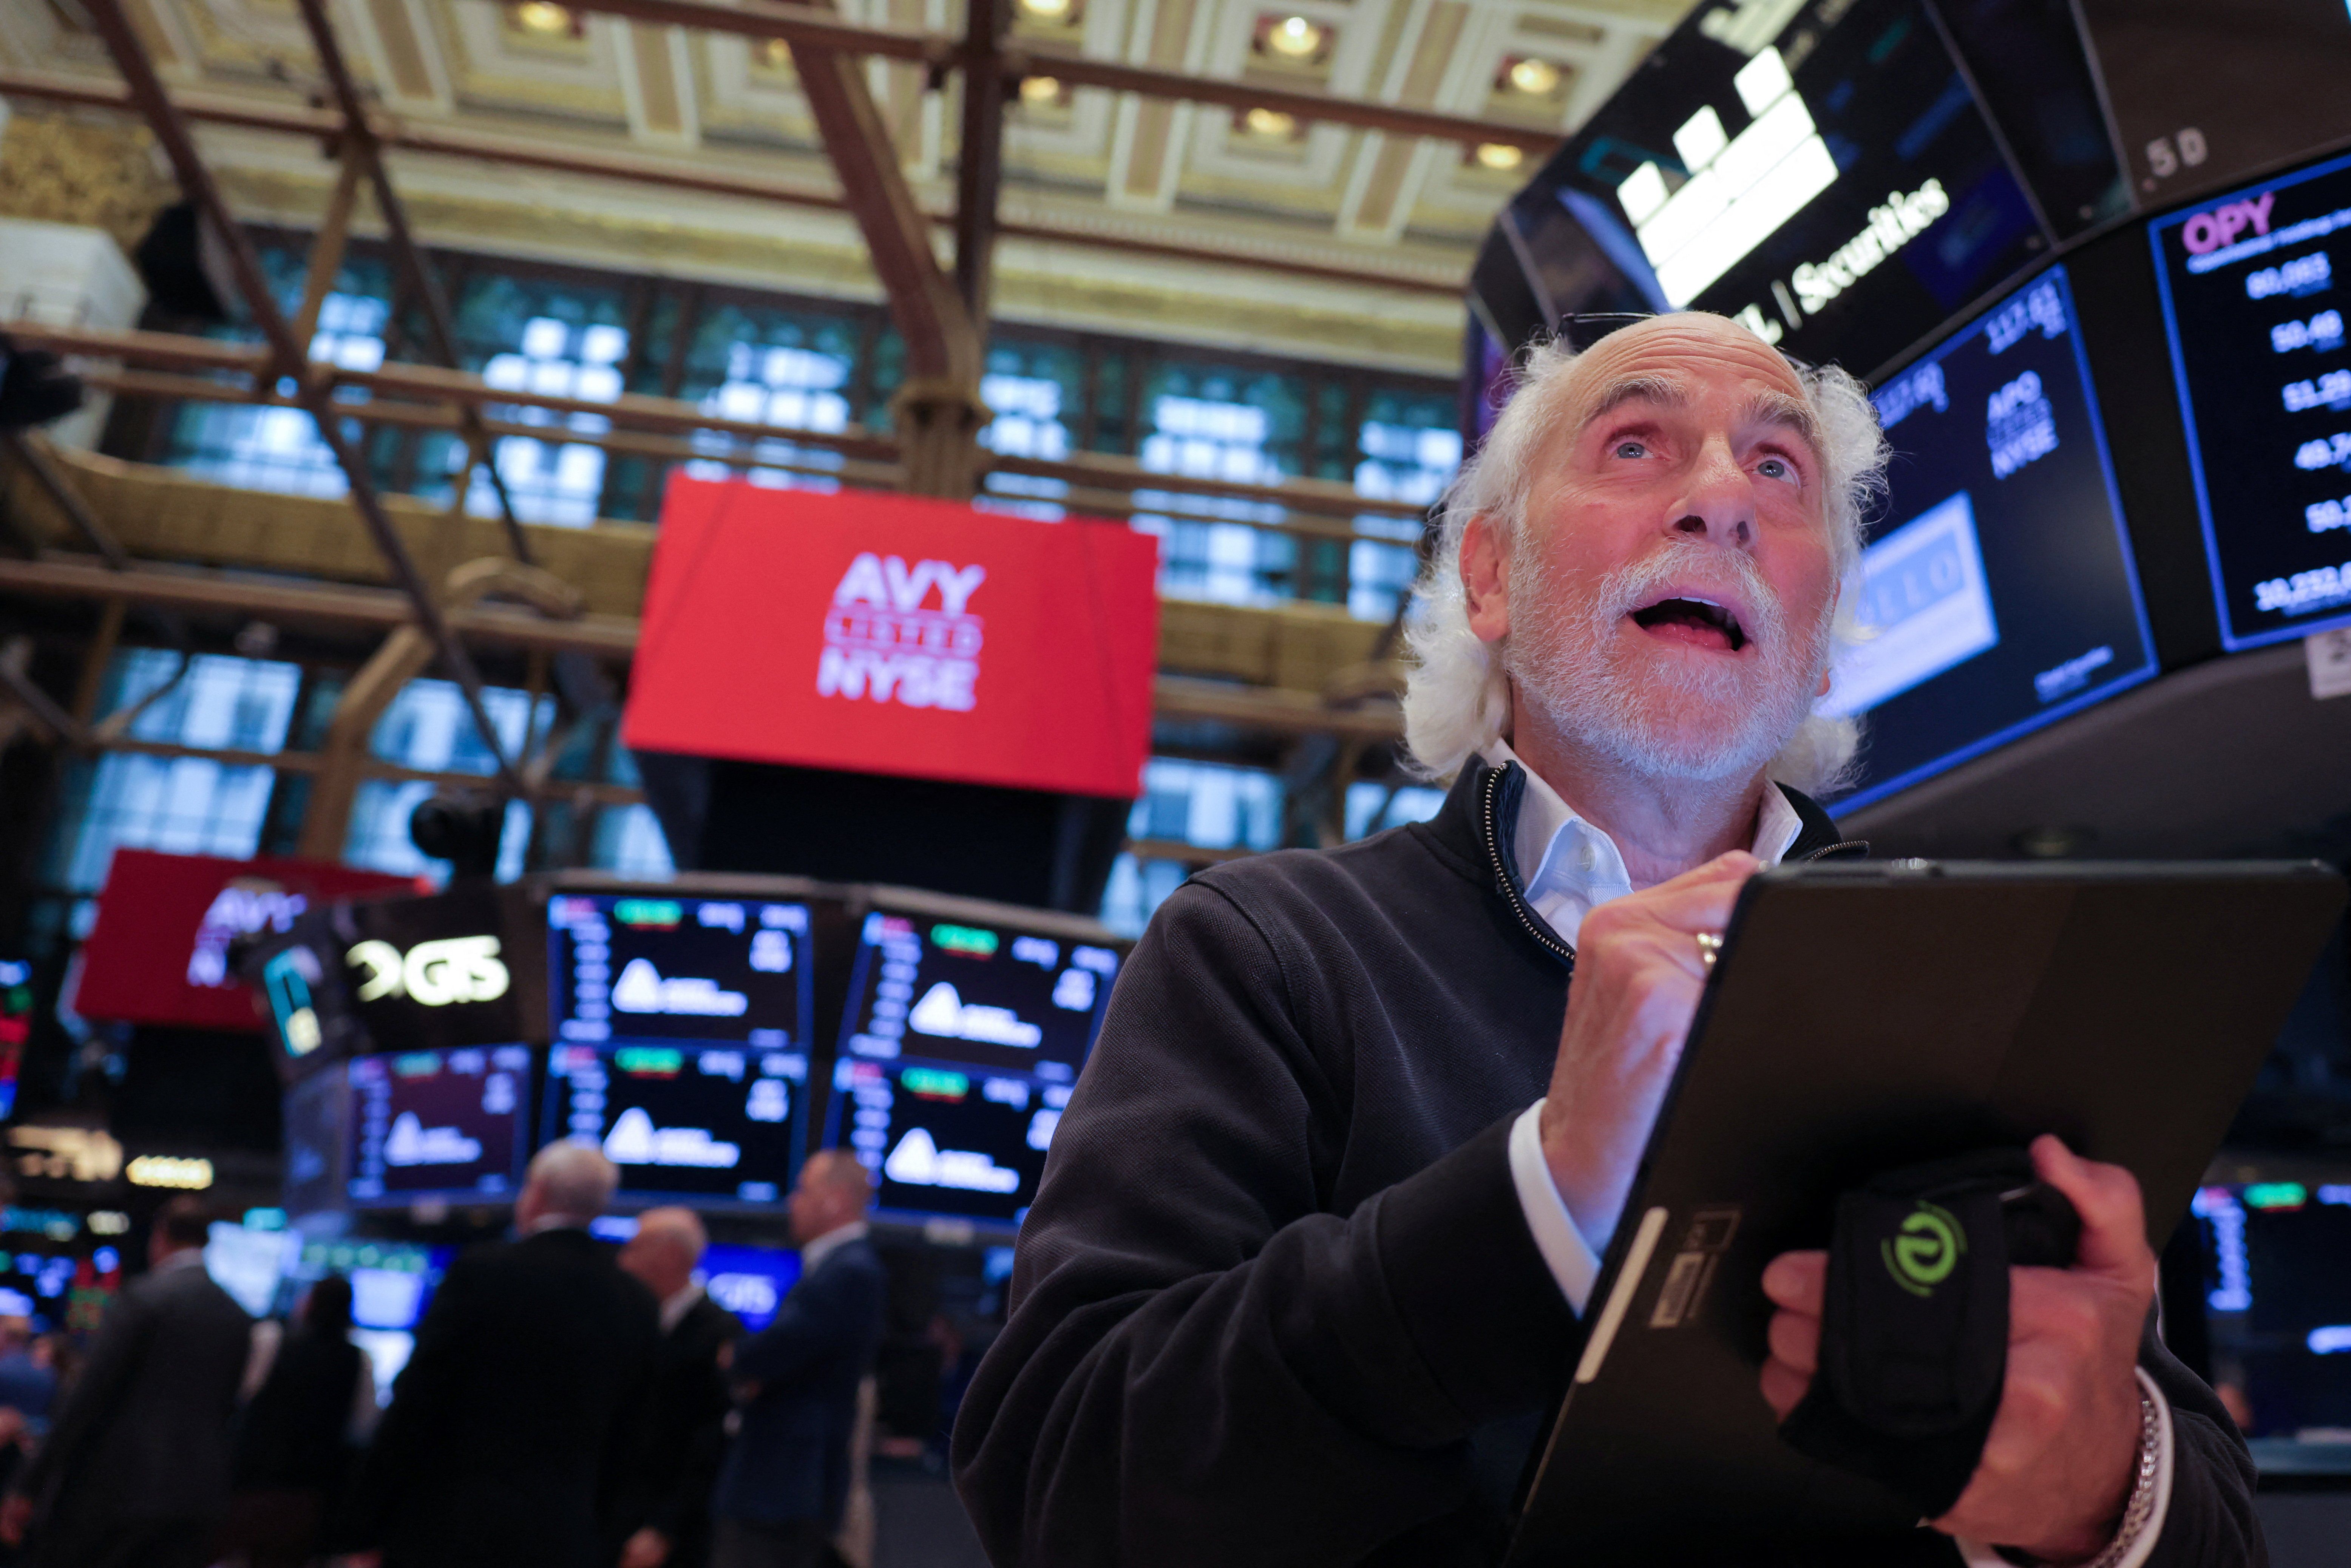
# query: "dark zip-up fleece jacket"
{"type": "Point", "coordinates": [1275, 1301]}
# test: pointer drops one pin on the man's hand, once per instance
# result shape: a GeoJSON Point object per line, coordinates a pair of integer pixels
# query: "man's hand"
{"type": "Point", "coordinates": [1629, 1006]}
{"type": "Point", "coordinates": [648, 1548]}
{"type": "Point", "coordinates": [2056, 1467]}
{"type": "Point", "coordinates": [16, 1519]}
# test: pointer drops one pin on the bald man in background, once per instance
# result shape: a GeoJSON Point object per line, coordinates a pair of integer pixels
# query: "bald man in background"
{"type": "Point", "coordinates": [786, 1479]}
{"type": "Point", "coordinates": [512, 1431]}
{"type": "Point", "coordinates": [684, 1429]}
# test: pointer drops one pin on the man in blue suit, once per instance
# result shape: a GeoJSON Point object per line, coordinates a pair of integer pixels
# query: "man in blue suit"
{"type": "Point", "coordinates": [786, 1478]}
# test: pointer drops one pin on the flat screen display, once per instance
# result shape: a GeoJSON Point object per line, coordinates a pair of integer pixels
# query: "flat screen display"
{"type": "Point", "coordinates": [451, 1125]}
{"type": "Point", "coordinates": [1996, 592]}
{"type": "Point", "coordinates": [2278, 1284]}
{"type": "Point", "coordinates": [317, 1120]}
{"type": "Point", "coordinates": [629, 966]}
{"type": "Point", "coordinates": [249, 1262]}
{"type": "Point", "coordinates": [959, 1047]}
{"type": "Point", "coordinates": [2257, 344]}
{"type": "Point", "coordinates": [710, 1125]}
{"type": "Point", "coordinates": [1824, 173]}
{"type": "Point", "coordinates": [49, 1283]}
{"type": "Point", "coordinates": [750, 1281]}
{"type": "Point", "coordinates": [392, 1281]}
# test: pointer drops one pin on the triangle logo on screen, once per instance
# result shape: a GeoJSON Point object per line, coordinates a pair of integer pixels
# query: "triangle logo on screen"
{"type": "Point", "coordinates": [635, 1140]}
{"type": "Point", "coordinates": [642, 989]}
{"type": "Point", "coordinates": [411, 1142]}
{"type": "Point", "coordinates": [918, 1161]}
{"type": "Point", "coordinates": [945, 1015]}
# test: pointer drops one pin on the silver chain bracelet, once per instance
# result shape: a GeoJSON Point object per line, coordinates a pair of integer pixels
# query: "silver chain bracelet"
{"type": "Point", "coordinates": [2141, 1505]}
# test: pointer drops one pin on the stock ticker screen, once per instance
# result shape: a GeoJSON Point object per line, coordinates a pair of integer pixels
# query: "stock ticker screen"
{"type": "Point", "coordinates": [452, 1124]}
{"type": "Point", "coordinates": [2278, 1289]}
{"type": "Point", "coordinates": [627, 967]}
{"type": "Point", "coordinates": [711, 1126]}
{"type": "Point", "coordinates": [959, 1049]}
{"type": "Point", "coordinates": [2264, 376]}
{"type": "Point", "coordinates": [1996, 593]}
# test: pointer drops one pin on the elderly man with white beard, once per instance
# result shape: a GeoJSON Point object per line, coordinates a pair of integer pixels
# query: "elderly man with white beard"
{"type": "Point", "coordinates": [1312, 1253]}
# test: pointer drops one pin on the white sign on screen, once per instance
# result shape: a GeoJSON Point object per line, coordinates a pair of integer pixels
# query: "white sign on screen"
{"type": "Point", "coordinates": [1920, 607]}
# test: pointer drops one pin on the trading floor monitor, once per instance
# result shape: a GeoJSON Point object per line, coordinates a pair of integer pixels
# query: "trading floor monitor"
{"type": "Point", "coordinates": [449, 1125]}
{"type": "Point", "coordinates": [715, 1126]}
{"type": "Point", "coordinates": [965, 1027]}
{"type": "Point", "coordinates": [2277, 1245]}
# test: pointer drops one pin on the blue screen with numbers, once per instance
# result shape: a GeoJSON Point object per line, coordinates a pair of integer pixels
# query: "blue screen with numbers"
{"type": "Point", "coordinates": [1995, 590]}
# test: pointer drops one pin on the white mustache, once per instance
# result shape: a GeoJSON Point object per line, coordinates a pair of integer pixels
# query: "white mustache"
{"type": "Point", "coordinates": [1689, 564]}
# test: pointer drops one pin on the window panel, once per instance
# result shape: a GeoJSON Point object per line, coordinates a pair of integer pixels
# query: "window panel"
{"type": "Point", "coordinates": [178, 805]}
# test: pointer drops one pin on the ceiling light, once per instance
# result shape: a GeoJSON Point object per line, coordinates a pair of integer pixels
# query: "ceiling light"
{"type": "Point", "coordinates": [1500, 155]}
{"type": "Point", "coordinates": [777, 53]}
{"type": "Point", "coordinates": [1294, 36]}
{"type": "Point", "coordinates": [1049, 10]}
{"type": "Point", "coordinates": [1269, 123]}
{"type": "Point", "coordinates": [1536, 79]}
{"type": "Point", "coordinates": [542, 16]}
{"type": "Point", "coordinates": [1040, 91]}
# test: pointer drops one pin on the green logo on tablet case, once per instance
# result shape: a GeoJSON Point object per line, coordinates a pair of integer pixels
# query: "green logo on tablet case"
{"type": "Point", "coordinates": [1923, 1255]}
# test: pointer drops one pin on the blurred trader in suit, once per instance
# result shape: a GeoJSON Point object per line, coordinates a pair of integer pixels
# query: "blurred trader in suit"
{"type": "Point", "coordinates": [513, 1428]}
{"type": "Point", "coordinates": [685, 1427]}
{"type": "Point", "coordinates": [786, 1479]}
{"type": "Point", "coordinates": [135, 1473]}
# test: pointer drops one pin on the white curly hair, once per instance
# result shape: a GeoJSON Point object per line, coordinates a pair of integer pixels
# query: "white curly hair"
{"type": "Point", "coordinates": [1457, 694]}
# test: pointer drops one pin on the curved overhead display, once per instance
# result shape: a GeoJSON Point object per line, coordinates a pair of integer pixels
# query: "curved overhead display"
{"type": "Point", "coordinates": [1840, 177]}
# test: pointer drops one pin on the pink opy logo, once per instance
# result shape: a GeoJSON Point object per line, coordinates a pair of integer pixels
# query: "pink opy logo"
{"type": "Point", "coordinates": [2207, 232]}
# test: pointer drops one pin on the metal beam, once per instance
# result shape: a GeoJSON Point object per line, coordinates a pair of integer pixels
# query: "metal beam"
{"type": "Point", "coordinates": [610, 637]}
{"type": "Point", "coordinates": [439, 142]}
{"type": "Point", "coordinates": [427, 384]}
{"type": "Point", "coordinates": [941, 341]}
{"type": "Point", "coordinates": [361, 147]}
{"type": "Point", "coordinates": [979, 155]}
{"type": "Point", "coordinates": [806, 27]}
{"type": "Point", "coordinates": [1084, 70]}
{"type": "Point", "coordinates": [147, 90]}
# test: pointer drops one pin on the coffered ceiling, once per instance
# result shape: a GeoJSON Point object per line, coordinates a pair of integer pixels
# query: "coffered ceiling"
{"type": "Point", "coordinates": [1079, 163]}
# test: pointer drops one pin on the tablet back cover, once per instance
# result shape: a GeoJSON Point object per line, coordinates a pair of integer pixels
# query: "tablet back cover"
{"type": "Point", "coordinates": [1864, 1018]}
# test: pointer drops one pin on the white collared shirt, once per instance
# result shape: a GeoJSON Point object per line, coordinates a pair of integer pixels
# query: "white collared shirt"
{"type": "Point", "coordinates": [674, 1309]}
{"type": "Point", "coordinates": [1569, 867]}
{"type": "Point", "coordinates": [814, 1253]}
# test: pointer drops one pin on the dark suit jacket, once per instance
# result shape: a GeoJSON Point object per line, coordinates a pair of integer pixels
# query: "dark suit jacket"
{"type": "Point", "coordinates": [791, 1457]}
{"type": "Point", "coordinates": [512, 1427]}
{"type": "Point", "coordinates": [144, 1435]}
{"type": "Point", "coordinates": [685, 1433]}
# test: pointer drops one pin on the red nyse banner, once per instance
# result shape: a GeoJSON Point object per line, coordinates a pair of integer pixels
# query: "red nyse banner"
{"type": "Point", "coordinates": [158, 953]}
{"type": "Point", "coordinates": [881, 633]}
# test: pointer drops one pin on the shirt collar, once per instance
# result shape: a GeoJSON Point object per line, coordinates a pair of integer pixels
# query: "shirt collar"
{"type": "Point", "coordinates": [1569, 867]}
{"type": "Point", "coordinates": [185, 1258]}
{"type": "Point", "coordinates": [674, 1309]}
{"type": "Point", "coordinates": [814, 1253]}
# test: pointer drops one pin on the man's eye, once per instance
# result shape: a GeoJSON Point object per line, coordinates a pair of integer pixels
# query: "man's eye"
{"type": "Point", "coordinates": [1776, 469]}
{"type": "Point", "coordinates": [1632, 449]}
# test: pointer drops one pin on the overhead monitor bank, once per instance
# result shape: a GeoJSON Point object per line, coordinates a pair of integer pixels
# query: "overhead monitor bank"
{"type": "Point", "coordinates": [1996, 592]}
{"type": "Point", "coordinates": [689, 1032]}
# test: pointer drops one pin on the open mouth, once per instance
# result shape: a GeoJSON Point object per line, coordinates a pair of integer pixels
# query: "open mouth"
{"type": "Point", "coordinates": [1699, 622]}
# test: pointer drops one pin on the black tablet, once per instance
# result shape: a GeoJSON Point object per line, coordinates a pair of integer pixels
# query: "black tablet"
{"type": "Point", "coordinates": [1864, 1016]}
